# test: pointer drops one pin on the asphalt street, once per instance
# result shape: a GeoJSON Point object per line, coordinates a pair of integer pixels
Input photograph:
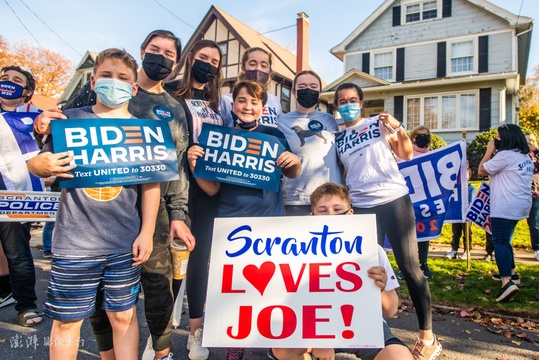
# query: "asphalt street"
{"type": "Point", "coordinates": [461, 337]}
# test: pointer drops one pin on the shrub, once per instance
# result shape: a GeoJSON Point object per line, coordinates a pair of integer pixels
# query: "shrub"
{"type": "Point", "coordinates": [437, 142]}
{"type": "Point", "coordinates": [477, 148]}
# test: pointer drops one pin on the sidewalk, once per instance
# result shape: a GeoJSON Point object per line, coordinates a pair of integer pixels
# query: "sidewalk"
{"type": "Point", "coordinates": [461, 338]}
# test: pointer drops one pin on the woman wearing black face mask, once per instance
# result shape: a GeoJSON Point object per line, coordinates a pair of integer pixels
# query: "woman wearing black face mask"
{"type": "Point", "coordinates": [199, 87]}
{"type": "Point", "coordinates": [421, 140]}
{"type": "Point", "coordinates": [255, 66]}
{"type": "Point", "coordinates": [510, 174]}
{"type": "Point", "coordinates": [311, 136]}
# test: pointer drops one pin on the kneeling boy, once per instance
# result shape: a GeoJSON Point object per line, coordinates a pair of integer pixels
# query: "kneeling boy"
{"type": "Point", "coordinates": [334, 199]}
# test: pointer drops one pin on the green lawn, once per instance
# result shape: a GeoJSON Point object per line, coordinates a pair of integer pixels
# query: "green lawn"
{"type": "Point", "coordinates": [452, 285]}
{"type": "Point", "coordinates": [521, 238]}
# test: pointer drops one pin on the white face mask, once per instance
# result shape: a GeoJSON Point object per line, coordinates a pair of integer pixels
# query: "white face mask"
{"type": "Point", "coordinates": [113, 93]}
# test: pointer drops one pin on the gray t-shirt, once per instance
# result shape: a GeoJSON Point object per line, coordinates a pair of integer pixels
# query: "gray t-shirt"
{"type": "Point", "coordinates": [312, 138]}
{"type": "Point", "coordinates": [95, 221]}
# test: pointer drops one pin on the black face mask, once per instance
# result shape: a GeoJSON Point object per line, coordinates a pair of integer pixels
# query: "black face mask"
{"type": "Point", "coordinates": [203, 71]}
{"type": "Point", "coordinates": [422, 141]}
{"type": "Point", "coordinates": [497, 144]}
{"type": "Point", "coordinates": [256, 75]}
{"type": "Point", "coordinates": [307, 97]}
{"type": "Point", "coordinates": [156, 66]}
{"type": "Point", "coordinates": [242, 124]}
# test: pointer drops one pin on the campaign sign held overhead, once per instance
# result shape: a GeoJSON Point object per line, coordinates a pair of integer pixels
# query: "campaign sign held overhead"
{"type": "Point", "coordinates": [293, 282]}
{"type": "Point", "coordinates": [438, 188]}
{"type": "Point", "coordinates": [239, 157]}
{"type": "Point", "coordinates": [113, 152]}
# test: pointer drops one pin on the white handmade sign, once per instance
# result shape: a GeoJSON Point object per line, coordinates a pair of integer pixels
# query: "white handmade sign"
{"type": "Point", "coordinates": [293, 282]}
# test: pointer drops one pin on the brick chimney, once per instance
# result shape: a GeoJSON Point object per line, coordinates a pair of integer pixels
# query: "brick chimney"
{"type": "Point", "coordinates": [302, 53]}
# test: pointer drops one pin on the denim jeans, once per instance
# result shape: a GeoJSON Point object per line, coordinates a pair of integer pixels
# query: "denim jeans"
{"type": "Point", "coordinates": [533, 223]}
{"type": "Point", "coordinates": [15, 239]}
{"type": "Point", "coordinates": [47, 235]}
{"type": "Point", "coordinates": [502, 234]}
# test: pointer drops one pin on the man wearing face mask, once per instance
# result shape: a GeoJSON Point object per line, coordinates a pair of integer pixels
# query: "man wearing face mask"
{"type": "Point", "coordinates": [160, 52]}
{"type": "Point", "coordinates": [16, 89]}
{"type": "Point", "coordinates": [311, 135]}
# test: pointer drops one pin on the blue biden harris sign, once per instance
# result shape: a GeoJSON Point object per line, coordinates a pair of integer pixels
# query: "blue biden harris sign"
{"type": "Point", "coordinates": [113, 152]}
{"type": "Point", "coordinates": [239, 157]}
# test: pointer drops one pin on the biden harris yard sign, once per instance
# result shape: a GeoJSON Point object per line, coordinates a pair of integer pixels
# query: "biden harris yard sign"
{"type": "Point", "coordinates": [293, 282]}
{"type": "Point", "coordinates": [113, 152]}
{"type": "Point", "coordinates": [239, 157]}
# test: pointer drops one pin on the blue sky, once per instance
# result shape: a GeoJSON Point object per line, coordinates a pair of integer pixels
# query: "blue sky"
{"type": "Point", "coordinates": [100, 24]}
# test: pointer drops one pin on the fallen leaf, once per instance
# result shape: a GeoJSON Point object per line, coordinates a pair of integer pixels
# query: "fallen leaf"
{"type": "Point", "coordinates": [496, 321]}
{"type": "Point", "coordinates": [487, 291]}
{"type": "Point", "coordinates": [464, 313]}
{"type": "Point", "coordinates": [467, 331]}
{"type": "Point", "coordinates": [3, 341]}
{"type": "Point", "coordinates": [508, 335]}
{"type": "Point", "coordinates": [502, 358]}
{"type": "Point", "coordinates": [516, 342]}
{"type": "Point", "coordinates": [481, 278]}
{"type": "Point", "coordinates": [524, 355]}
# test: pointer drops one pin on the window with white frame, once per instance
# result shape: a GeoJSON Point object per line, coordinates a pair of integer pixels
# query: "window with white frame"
{"type": "Point", "coordinates": [444, 111]}
{"type": "Point", "coordinates": [421, 11]}
{"type": "Point", "coordinates": [383, 65]}
{"type": "Point", "coordinates": [462, 55]}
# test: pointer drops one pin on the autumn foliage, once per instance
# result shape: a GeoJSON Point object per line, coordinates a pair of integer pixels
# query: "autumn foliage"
{"type": "Point", "coordinates": [528, 98]}
{"type": "Point", "coordinates": [50, 69]}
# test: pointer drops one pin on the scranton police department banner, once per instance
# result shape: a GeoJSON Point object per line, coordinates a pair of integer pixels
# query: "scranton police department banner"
{"type": "Point", "coordinates": [17, 146]}
{"type": "Point", "coordinates": [293, 282]}
{"type": "Point", "coordinates": [479, 210]}
{"type": "Point", "coordinates": [113, 152]}
{"type": "Point", "coordinates": [239, 157]}
{"type": "Point", "coordinates": [437, 183]}
{"type": "Point", "coordinates": [28, 206]}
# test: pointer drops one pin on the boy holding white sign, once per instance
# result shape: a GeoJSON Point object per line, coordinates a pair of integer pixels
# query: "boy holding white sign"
{"type": "Point", "coordinates": [117, 236]}
{"type": "Point", "coordinates": [334, 199]}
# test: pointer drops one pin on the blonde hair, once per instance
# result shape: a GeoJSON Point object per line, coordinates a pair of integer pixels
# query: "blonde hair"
{"type": "Point", "coordinates": [331, 189]}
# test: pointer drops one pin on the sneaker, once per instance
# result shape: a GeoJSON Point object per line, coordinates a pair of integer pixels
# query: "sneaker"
{"type": "Point", "coordinates": [149, 353]}
{"type": "Point", "coordinates": [514, 278]}
{"type": "Point", "coordinates": [488, 257]}
{"type": "Point", "coordinates": [7, 300]}
{"type": "Point", "coordinates": [425, 268]}
{"type": "Point", "coordinates": [47, 254]}
{"type": "Point", "coordinates": [507, 291]}
{"type": "Point", "coordinates": [426, 352]}
{"type": "Point", "coordinates": [235, 353]}
{"type": "Point", "coordinates": [400, 275]}
{"type": "Point", "coordinates": [537, 255]}
{"type": "Point", "coordinates": [451, 254]}
{"type": "Point", "coordinates": [464, 256]}
{"type": "Point", "coordinates": [194, 345]}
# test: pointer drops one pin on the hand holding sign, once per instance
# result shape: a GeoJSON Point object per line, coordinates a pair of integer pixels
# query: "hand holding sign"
{"type": "Point", "coordinates": [43, 121]}
{"type": "Point", "coordinates": [294, 286]}
{"type": "Point", "coordinates": [48, 164]}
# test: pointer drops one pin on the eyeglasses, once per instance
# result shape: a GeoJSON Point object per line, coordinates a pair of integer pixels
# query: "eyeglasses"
{"type": "Point", "coordinates": [504, 126]}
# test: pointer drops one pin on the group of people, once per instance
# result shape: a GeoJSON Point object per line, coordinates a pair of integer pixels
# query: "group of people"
{"type": "Point", "coordinates": [108, 247]}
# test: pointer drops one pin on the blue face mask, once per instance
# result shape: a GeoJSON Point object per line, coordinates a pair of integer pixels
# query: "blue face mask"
{"type": "Point", "coordinates": [113, 93]}
{"type": "Point", "coordinates": [349, 112]}
{"type": "Point", "coordinates": [9, 90]}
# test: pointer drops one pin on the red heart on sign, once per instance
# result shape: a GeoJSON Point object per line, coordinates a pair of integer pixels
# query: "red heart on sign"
{"type": "Point", "coordinates": [259, 277]}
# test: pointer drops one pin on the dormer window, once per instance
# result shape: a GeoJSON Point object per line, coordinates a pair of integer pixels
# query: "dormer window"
{"type": "Point", "coordinates": [419, 11]}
